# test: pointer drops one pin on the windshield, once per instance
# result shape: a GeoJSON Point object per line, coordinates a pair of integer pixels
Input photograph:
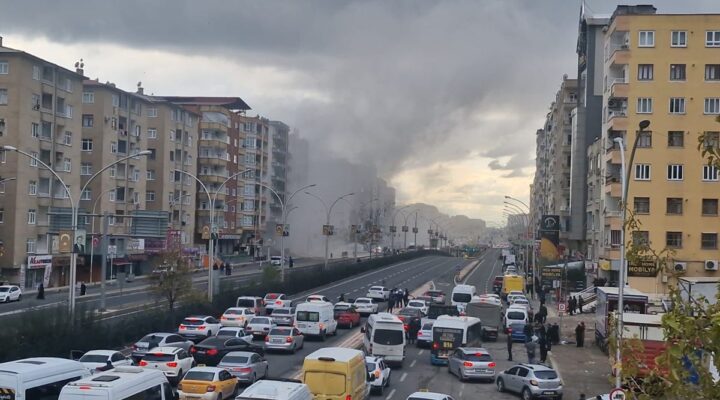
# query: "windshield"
{"type": "Point", "coordinates": [416, 304]}
{"type": "Point", "coordinates": [377, 288]}
{"type": "Point", "coordinates": [227, 332]}
{"type": "Point", "coordinates": [233, 312]}
{"type": "Point", "coordinates": [410, 312]}
{"type": "Point", "coordinates": [159, 357]}
{"type": "Point", "coordinates": [187, 321]}
{"type": "Point", "coordinates": [363, 301]}
{"type": "Point", "coordinates": [234, 360]}
{"type": "Point", "coordinates": [199, 376]}
{"type": "Point", "coordinates": [309, 316]}
{"type": "Point", "coordinates": [272, 296]}
{"type": "Point", "coordinates": [388, 337]}
{"type": "Point", "coordinates": [427, 327]}
{"type": "Point", "coordinates": [370, 366]}
{"type": "Point", "coordinates": [449, 337]}
{"type": "Point", "coordinates": [436, 311]}
{"type": "Point", "coordinates": [246, 303]}
{"type": "Point", "coordinates": [546, 374]}
{"type": "Point", "coordinates": [281, 332]}
{"type": "Point", "coordinates": [93, 358]}
{"type": "Point", "coordinates": [341, 308]}
{"type": "Point", "coordinates": [515, 315]}
{"type": "Point", "coordinates": [462, 297]}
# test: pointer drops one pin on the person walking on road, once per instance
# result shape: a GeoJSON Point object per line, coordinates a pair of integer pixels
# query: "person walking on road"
{"type": "Point", "coordinates": [406, 297]}
{"type": "Point", "coordinates": [41, 291]}
{"type": "Point", "coordinates": [83, 289]}
{"type": "Point", "coordinates": [291, 262]}
{"type": "Point", "coordinates": [581, 303]}
{"type": "Point", "coordinates": [509, 343]}
{"type": "Point", "coordinates": [571, 305]}
{"type": "Point", "coordinates": [391, 302]}
{"type": "Point", "coordinates": [413, 329]}
{"type": "Point", "coordinates": [530, 348]}
{"type": "Point", "coordinates": [543, 312]}
{"type": "Point", "coordinates": [580, 334]}
{"type": "Point", "coordinates": [543, 343]}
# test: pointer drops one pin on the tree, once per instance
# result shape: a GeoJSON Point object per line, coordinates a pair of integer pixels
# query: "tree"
{"type": "Point", "coordinates": [709, 147]}
{"type": "Point", "coordinates": [173, 281]}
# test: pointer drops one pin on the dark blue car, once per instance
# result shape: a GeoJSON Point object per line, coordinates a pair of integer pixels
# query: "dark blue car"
{"type": "Point", "coordinates": [517, 332]}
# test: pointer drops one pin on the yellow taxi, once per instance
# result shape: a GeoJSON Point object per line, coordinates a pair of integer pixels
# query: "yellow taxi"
{"type": "Point", "coordinates": [207, 383]}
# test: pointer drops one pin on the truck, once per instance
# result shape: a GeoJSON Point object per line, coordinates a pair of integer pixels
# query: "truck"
{"type": "Point", "coordinates": [509, 260]}
{"type": "Point", "coordinates": [511, 283]}
{"type": "Point", "coordinates": [648, 329]}
{"type": "Point", "coordinates": [701, 286]}
{"type": "Point", "coordinates": [635, 302]}
{"type": "Point", "coordinates": [490, 314]}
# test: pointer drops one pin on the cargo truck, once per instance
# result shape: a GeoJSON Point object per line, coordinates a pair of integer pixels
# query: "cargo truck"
{"type": "Point", "coordinates": [489, 313]}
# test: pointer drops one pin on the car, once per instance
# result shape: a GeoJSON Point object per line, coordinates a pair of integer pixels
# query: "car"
{"type": "Point", "coordinates": [234, 332]}
{"type": "Point", "coordinates": [97, 360]}
{"type": "Point", "coordinates": [346, 315]}
{"type": "Point", "coordinates": [511, 270]}
{"type": "Point", "coordinates": [259, 326]}
{"type": "Point", "coordinates": [380, 293]}
{"type": "Point", "coordinates": [207, 383]}
{"type": "Point", "coordinates": [521, 301]}
{"type": "Point", "coordinates": [276, 300]}
{"type": "Point", "coordinates": [247, 367]}
{"type": "Point", "coordinates": [380, 372]}
{"type": "Point", "coordinates": [429, 396]}
{"type": "Point", "coordinates": [408, 314]}
{"type": "Point", "coordinates": [10, 293]}
{"type": "Point", "coordinates": [530, 381]}
{"type": "Point", "coordinates": [315, 298]}
{"type": "Point", "coordinates": [283, 316]}
{"type": "Point", "coordinates": [487, 299]}
{"type": "Point", "coordinates": [211, 350]}
{"type": "Point", "coordinates": [158, 339]}
{"type": "Point", "coordinates": [172, 361]}
{"type": "Point", "coordinates": [517, 332]}
{"type": "Point", "coordinates": [437, 296]}
{"type": "Point", "coordinates": [424, 338]}
{"type": "Point", "coordinates": [199, 326]}
{"type": "Point", "coordinates": [472, 363]}
{"type": "Point", "coordinates": [236, 316]}
{"type": "Point", "coordinates": [498, 283]}
{"type": "Point", "coordinates": [419, 304]}
{"type": "Point", "coordinates": [256, 304]}
{"type": "Point", "coordinates": [275, 260]}
{"type": "Point", "coordinates": [365, 306]}
{"type": "Point", "coordinates": [285, 338]}
{"type": "Point", "coordinates": [511, 297]}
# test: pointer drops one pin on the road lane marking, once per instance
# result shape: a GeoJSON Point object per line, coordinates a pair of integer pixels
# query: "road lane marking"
{"type": "Point", "coordinates": [402, 378]}
{"type": "Point", "coordinates": [462, 389]}
{"type": "Point", "coordinates": [392, 392]}
{"type": "Point", "coordinates": [421, 352]}
{"type": "Point", "coordinates": [412, 364]}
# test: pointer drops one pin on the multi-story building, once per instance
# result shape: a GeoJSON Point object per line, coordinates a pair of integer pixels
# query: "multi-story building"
{"type": "Point", "coordinates": [279, 161]}
{"type": "Point", "coordinates": [40, 113]}
{"type": "Point", "coordinates": [594, 207]}
{"type": "Point", "coordinates": [539, 191]}
{"type": "Point", "coordinates": [663, 69]}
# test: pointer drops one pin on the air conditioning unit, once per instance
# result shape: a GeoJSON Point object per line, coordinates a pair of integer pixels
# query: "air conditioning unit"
{"type": "Point", "coordinates": [711, 265]}
{"type": "Point", "coordinates": [680, 267]}
{"type": "Point", "coordinates": [614, 103]}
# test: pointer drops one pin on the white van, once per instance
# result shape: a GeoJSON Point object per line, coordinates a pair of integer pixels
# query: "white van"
{"type": "Point", "coordinates": [462, 295]}
{"type": "Point", "coordinates": [316, 319]}
{"type": "Point", "coordinates": [119, 384]}
{"type": "Point", "coordinates": [385, 337]}
{"type": "Point", "coordinates": [516, 314]}
{"type": "Point", "coordinates": [40, 377]}
{"type": "Point", "coordinates": [268, 389]}
{"type": "Point", "coordinates": [256, 304]}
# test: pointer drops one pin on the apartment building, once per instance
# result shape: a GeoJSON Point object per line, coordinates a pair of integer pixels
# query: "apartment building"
{"type": "Point", "coordinates": [539, 191]}
{"type": "Point", "coordinates": [40, 105]}
{"type": "Point", "coordinates": [594, 206]}
{"type": "Point", "coordinates": [279, 161]}
{"type": "Point", "coordinates": [665, 69]}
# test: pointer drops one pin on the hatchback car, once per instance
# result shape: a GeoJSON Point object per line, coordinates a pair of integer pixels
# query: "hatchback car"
{"type": "Point", "coordinates": [211, 350]}
{"type": "Point", "coordinates": [158, 339]}
{"type": "Point", "coordinates": [236, 316]}
{"type": "Point", "coordinates": [173, 362]}
{"type": "Point", "coordinates": [285, 338]}
{"type": "Point", "coordinates": [419, 304]}
{"type": "Point", "coordinates": [380, 293]}
{"type": "Point", "coordinates": [424, 338]}
{"type": "Point", "coordinates": [283, 316]}
{"type": "Point", "coordinates": [346, 315]}
{"type": "Point", "coordinates": [199, 327]}
{"type": "Point", "coordinates": [531, 381]}
{"type": "Point", "coordinates": [314, 298]}
{"type": "Point", "coordinates": [259, 326]}
{"type": "Point", "coordinates": [365, 306]}
{"type": "Point", "coordinates": [207, 383]}
{"type": "Point", "coordinates": [102, 359]}
{"type": "Point", "coordinates": [247, 367]}
{"type": "Point", "coordinates": [472, 363]}
{"type": "Point", "coordinates": [380, 372]}
{"type": "Point", "coordinates": [10, 293]}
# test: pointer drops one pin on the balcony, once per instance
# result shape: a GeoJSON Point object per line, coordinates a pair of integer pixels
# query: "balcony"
{"type": "Point", "coordinates": [613, 220]}
{"type": "Point", "coordinates": [618, 87]}
{"type": "Point", "coordinates": [613, 188]}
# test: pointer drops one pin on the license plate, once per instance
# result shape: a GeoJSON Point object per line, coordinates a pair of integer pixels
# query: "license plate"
{"type": "Point", "coordinates": [548, 392]}
{"type": "Point", "coordinates": [277, 340]}
{"type": "Point", "coordinates": [201, 351]}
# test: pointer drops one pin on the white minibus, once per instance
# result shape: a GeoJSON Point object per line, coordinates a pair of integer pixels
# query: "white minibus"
{"type": "Point", "coordinates": [385, 337]}
{"type": "Point", "coordinates": [119, 384]}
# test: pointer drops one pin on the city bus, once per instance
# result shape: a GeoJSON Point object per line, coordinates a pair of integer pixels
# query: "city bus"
{"type": "Point", "coordinates": [450, 333]}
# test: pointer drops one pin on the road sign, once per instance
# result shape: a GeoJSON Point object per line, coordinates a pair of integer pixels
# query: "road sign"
{"type": "Point", "coordinates": [112, 250]}
{"type": "Point", "coordinates": [405, 228]}
{"type": "Point", "coordinates": [562, 307]}
{"type": "Point", "coordinates": [617, 394]}
{"type": "Point", "coordinates": [328, 230]}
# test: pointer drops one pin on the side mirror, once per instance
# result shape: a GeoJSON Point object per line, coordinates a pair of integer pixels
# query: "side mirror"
{"type": "Point", "coordinates": [362, 329]}
{"type": "Point", "coordinates": [371, 377]}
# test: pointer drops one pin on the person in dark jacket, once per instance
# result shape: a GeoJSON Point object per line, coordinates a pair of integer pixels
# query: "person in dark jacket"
{"type": "Point", "coordinates": [413, 329]}
{"type": "Point", "coordinates": [543, 312]}
{"type": "Point", "coordinates": [528, 331]}
{"type": "Point", "coordinates": [509, 344]}
{"type": "Point", "coordinates": [391, 303]}
{"type": "Point", "coordinates": [41, 291]}
{"type": "Point", "coordinates": [571, 305]}
{"type": "Point", "coordinates": [543, 343]}
{"type": "Point", "coordinates": [580, 334]}
{"type": "Point", "coordinates": [83, 289]}
{"type": "Point", "coordinates": [581, 303]}
{"type": "Point", "coordinates": [406, 297]}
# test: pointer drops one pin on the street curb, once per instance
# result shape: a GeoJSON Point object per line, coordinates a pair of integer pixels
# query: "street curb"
{"type": "Point", "coordinates": [553, 363]}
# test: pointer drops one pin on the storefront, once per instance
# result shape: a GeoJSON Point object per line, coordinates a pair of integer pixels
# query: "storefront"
{"type": "Point", "coordinates": [39, 269]}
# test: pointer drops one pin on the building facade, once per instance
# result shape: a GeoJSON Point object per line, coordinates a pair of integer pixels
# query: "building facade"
{"type": "Point", "coordinates": [279, 162]}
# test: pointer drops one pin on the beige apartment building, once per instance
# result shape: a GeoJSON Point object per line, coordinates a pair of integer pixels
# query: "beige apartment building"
{"type": "Point", "coordinates": [40, 113]}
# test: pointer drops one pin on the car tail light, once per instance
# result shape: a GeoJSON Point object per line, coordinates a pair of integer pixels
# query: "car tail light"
{"type": "Point", "coordinates": [348, 397]}
{"type": "Point", "coordinates": [288, 339]}
{"type": "Point", "coordinates": [210, 388]}
{"type": "Point", "coordinates": [201, 327]}
{"type": "Point", "coordinates": [171, 364]}
{"type": "Point", "coordinates": [212, 352]}
{"type": "Point", "coordinates": [267, 338]}
{"type": "Point", "coordinates": [84, 388]}
{"type": "Point", "coordinates": [143, 363]}
{"type": "Point", "coordinates": [134, 347]}
{"type": "Point", "coordinates": [533, 382]}
{"type": "Point", "coordinates": [467, 364]}
{"type": "Point", "coordinates": [224, 318]}
{"type": "Point", "coordinates": [245, 369]}
{"type": "Point", "coordinates": [193, 349]}
{"type": "Point", "coordinates": [279, 303]}
{"type": "Point", "coordinates": [435, 345]}
{"type": "Point", "coordinates": [182, 327]}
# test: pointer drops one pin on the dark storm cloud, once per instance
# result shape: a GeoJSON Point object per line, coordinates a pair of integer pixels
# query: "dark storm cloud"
{"type": "Point", "coordinates": [408, 82]}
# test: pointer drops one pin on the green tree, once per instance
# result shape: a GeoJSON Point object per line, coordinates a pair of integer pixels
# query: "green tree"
{"type": "Point", "coordinates": [174, 279]}
{"type": "Point", "coordinates": [709, 147]}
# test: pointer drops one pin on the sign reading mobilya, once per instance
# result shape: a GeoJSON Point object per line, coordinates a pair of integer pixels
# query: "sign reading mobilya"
{"type": "Point", "coordinates": [644, 267]}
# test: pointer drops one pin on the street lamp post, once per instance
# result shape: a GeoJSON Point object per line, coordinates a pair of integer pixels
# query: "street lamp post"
{"type": "Point", "coordinates": [211, 199]}
{"type": "Point", "coordinates": [393, 228]}
{"type": "Point", "coordinates": [92, 236]}
{"type": "Point", "coordinates": [355, 241]}
{"type": "Point", "coordinates": [526, 217]}
{"type": "Point", "coordinates": [527, 244]}
{"type": "Point", "coordinates": [328, 211]}
{"type": "Point", "coordinates": [74, 213]}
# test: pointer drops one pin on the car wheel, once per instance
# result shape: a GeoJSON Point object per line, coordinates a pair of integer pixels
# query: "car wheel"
{"type": "Point", "coordinates": [254, 378]}
{"type": "Point", "coordinates": [294, 348]}
{"type": "Point", "coordinates": [19, 297]}
{"type": "Point", "coordinates": [179, 376]}
{"type": "Point", "coordinates": [209, 333]}
{"type": "Point", "coordinates": [500, 385]}
{"type": "Point", "coordinates": [526, 394]}
{"type": "Point", "coordinates": [266, 372]}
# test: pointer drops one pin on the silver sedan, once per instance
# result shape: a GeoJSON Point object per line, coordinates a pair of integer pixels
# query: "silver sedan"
{"type": "Point", "coordinates": [246, 366]}
{"type": "Point", "coordinates": [285, 338]}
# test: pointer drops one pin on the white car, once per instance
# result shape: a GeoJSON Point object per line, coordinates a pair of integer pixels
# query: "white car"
{"type": "Point", "coordinates": [276, 300]}
{"type": "Point", "coordinates": [377, 368]}
{"type": "Point", "coordinates": [259, 326]}
{"type": "Point", "coordinates": [419, 304]}
{"type": "Point", "coordinates": [275, 260]}
{"type": "Point", "coordinates": [378, 293]}
{"type": "Point", "coordinates": [314, 298]}
{"type": "Point", "coordinates": [234, 332]}
{"type": "Point", "coordinates": [429, 396]}
{"type": "Point", "coordinates": [199, 326]}
{"type": "Point", "coordinates": [236, 316]}
{"type": "Point", "coordinates": [172, 361]}
{"type": "Point", "coordinates": [365, 305]}
{"type": "Point", "coordinates": [99, 359]}
{"type": "Point", "coordinates": [10, 293]}
{"type": "Point", "coordinates": [424, 337]}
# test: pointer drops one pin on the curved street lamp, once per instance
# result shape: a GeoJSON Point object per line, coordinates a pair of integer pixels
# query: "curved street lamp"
{"type": "Point", "coordinates": [357, 226]}
{"type": "Point", "coordinates": [328, 211]}
{"type": "Point", "coordinates": [393, 228]}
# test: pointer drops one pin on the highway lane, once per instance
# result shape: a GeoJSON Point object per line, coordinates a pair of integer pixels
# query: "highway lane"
{"type": "Point", "coordinates": [409, 274]}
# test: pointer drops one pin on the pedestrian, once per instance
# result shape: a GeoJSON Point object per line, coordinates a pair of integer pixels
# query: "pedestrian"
{"type": "Point", "coordinates": [528, 332]}
{"type": "Point", "coordinates": [571, 305]}
{"type": "Point", "coordinates": [509, 343]}
{"type": "Point", "coordinates": [554, 333]}
{"type": "Point", "coordinates": [41, 291]}
{"type": "Point", "coordinates": [543, 343]}
{"type": "Point", "coordinates": [543, 312]}
{"type": "Point", "coordinates": [413, 329]}
{"type": "Point", "coordinates": [530, 349]}
{"type": "Point", "coordinates": [291, 261]}
{"type": "Point", "coordinates": [391, 303]}
{"type": "Point", "coordinates": [581, 303]}
{"type": "Point", "coordinates": [83, 289]}
{"type": "Point", "coordinates": [342, 298]}
{"type": "Point", "coordinates": [222, 266]}
{"type": "Point", "coordinates": [406, 297]}
{"type": "Point", "coordinates": [580, 334]}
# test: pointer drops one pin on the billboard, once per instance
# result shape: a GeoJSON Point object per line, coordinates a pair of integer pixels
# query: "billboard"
{"type": "Point", "coordinates": [550, 237]}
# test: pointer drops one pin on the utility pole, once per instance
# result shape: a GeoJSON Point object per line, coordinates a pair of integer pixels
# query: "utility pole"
{"type": "Point", "coordinates": [103, 268]}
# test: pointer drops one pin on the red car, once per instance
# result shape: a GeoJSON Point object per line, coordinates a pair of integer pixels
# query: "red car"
{"type": "Point", "coordinates": [346, 315]}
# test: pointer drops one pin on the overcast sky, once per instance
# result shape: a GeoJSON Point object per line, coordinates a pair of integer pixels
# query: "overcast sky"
{"type": "Point", "coordinates": [444, 97]}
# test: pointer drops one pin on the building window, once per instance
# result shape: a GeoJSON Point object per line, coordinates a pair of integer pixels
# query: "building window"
{"type": "Point", "coordinates": [30, 246]}
{"type": "Point", "coordinates": [615, 238]}
{"type": "Point", "coordinates": [641, 237]}
{"type": "Point", "coordinates": [67, 138]}
{"type": "Point", "coordinates": [678, 39]}
{"type": "Point", "coordinates": [86, 169]}
{"type": "Point", "coordinates": [677, 72]}
{"type": "Point", "coordinates": [2, 215]}
{"type": "Point", "coordinates": [644, 105]}
{"type": "Point", "coordinates": [712, 105]}
{"type": "Point", "coordinates": [711, 140]}
{"type": "Point", "coordinates": [151, 156]}
{"type": "Point", "coordinates": [674, 206]}
{"type": "Point", "coordinates": [710, 207]}
{"type": "Point", "coordinates": [87, 144]}
{"type": "Point", "coordinates": [708, 241]}
{"type": "Point", "coordinates": [36, 72]}
{"type": "Point", "coordinates": [113, 147]}
{"type": "Point", "coordinates": [35, 129]}
{"type": "Point", "coordinates": [88, 120]}
{"type": "Point", "coordinates": [88, 98]}
{"type": "Point", "coordinates": [645, 139]}
{"type": "Point", "coordinates": [642, 172]}
{"type": "Point", "coordinates": [675, 172]}
{"type": "Point", "coordinates": [32, 188]}
{"type": "Point", "coordinates": [150, 195]}
{"type": "Point", "coordinates": [645, 72]}
{"type": "Point", "coordinates": [710, 173]}
{"type": "Point", "coordinates": [152, 112]}
{"type": "Point", "coordinates": [86, 195]}
{"type": "Point", "coordinates": [712, 72]}
{"type": "Point", "coordinates": [31, 216]}
{"type": "Point", "coordinates": [677, 105]}
{"type": "Point", "coordinates": [150, 174]}
{"type": "Point", "coordinates": [646, 39]}
{"type": "Point", "coordinates": [4, 68]}
{"type": "Point", "coordinates": [67, 164]}
{"type": "Point", "coordinates": [152, 133]}
{"type": "Point", "coordinates": [112, 171]}
{"type": "Point", "coordinates": [3, 97]}
{"type": "Point", "coordinates": [33, 159]}
{"type": "Point", "coordinates": [673, 239]}
{"type": "Point", "coordinates": [642, 205]}
{"type": "Point", "coordinates": [676, 139]}
{"type": "Point", "coordinates": [712, 38]}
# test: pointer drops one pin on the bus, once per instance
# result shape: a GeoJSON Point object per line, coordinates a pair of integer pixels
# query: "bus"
{"type": "Point", "coordinates": [450, 333]}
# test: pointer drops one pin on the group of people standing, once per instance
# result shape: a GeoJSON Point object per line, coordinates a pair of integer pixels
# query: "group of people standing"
{"type": "Point", "coordinates": [537, 337]}
{"type": "Point", "coordinates": [575, 305]}
{"type": "Point", "coordinates": [398, 298]}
